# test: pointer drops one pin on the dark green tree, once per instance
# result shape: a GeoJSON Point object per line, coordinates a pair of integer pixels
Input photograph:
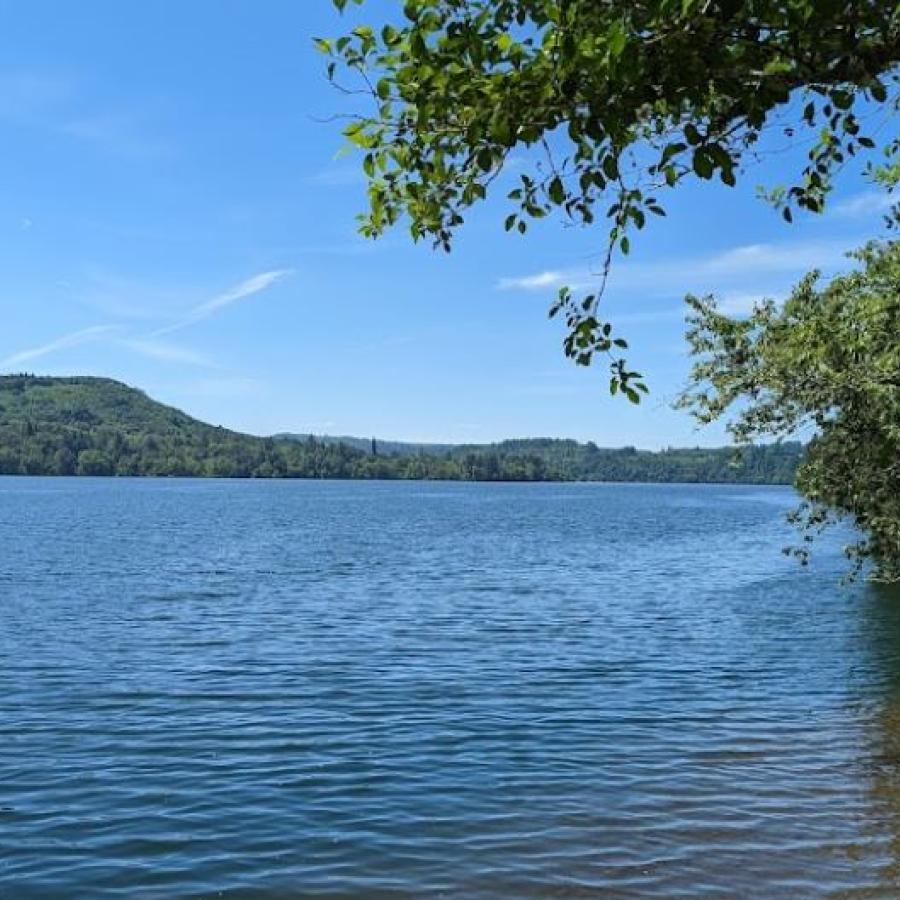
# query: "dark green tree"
{"type": "Point", "coordinates": [828, 361]}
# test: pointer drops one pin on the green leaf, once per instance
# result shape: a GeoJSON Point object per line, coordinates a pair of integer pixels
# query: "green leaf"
{"type": "Point", "coordinates": [692, 134]}
{"type": "Point", "coordinates": [485, 159]}
{"type": "Point", "coordinates": [672, 150]}
{"type": "Point", "coordinates": [610, 167]}
{"type": "Point", "coordinates": [556, 191]}
{"type": "Point", "coordinates": [616, 39]}
{"type": "Point", "coordinates": [502, 132]}
{"type": "Point", "coordinates": [703, 165]}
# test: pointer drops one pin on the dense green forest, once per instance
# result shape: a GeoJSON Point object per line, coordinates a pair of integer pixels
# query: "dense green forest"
{"type": "Point", "coordinates": [385, 447]}
{"type": "Point", "coordinates": [96, 426]}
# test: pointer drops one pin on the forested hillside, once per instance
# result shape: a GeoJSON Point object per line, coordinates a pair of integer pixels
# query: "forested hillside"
{"type": "Point", "coordinates": [384, 447]}
{"type": "Point", "coordinates": [96, 426]}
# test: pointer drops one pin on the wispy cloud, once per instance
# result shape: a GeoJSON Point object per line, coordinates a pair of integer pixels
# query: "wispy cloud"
{"type": "Point", "coordinates": [165, 352]}
{"type": "Point", "coordinates": [61, 106]}
{"type": "Point", "coordinates": [112, 335]}
{"type": "Point", "coordinates": [73, 339]}
{"type": "Point", "coordinates": [348, 244]}
{"type": "Point", "coordinates": [538, 281]}
{"type": "Point", "coordinates": [28, 95]}
{"type": "Point", "coordinates": [753, 259]}
{"type": "Point", "coordinates": [868, 203]}
{"type": "Point", "coordinates": [733, 268]}
{"type": "Point", "coordinates": [120, 134]}
{"type": "Point", "coordinates": [116, 297]}
{"type": "Point", "coordinates": [255, 285]}
{"type": "Point", "coordinates": [150, 345]}
{"type": "Point", "coordinates": [227, 386]}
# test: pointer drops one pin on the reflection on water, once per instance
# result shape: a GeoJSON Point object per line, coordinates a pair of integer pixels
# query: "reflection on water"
{"type": "Point", "coordinates": [352, 690]}
{"type": "Point", "coordinates": [880, 624]}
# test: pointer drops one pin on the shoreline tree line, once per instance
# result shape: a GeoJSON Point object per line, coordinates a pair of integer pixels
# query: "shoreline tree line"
{"type": "Point", "coordinates": [100, 427]}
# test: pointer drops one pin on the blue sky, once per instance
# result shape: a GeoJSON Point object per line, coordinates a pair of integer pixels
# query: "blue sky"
{"type": "Point", "coordinates": [174, 215]}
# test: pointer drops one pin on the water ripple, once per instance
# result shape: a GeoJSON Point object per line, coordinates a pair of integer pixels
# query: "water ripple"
{"type": "Point", "coordinates": [279, 690]}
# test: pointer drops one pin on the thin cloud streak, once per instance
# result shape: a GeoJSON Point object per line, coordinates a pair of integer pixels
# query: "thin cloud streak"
{"type": "Point", "coordinates": [25, 96]}
{"type": "Point", "coordinates": [539, 281]}
{"type": "Point", "coordinates": [167, 352]}
{"type": "Point", "coordinates": [226, 386]}
{"type": "Point", "coordinates": [55, 105]}
{"type": "Point", "coordinates": [149, 345]}
{"type": "Point", "coordinates": [248, 288]}
{"type": "Point", "coordinates": [677, 275]}
{"type": "Point", "coordinates": [82, 336]}
{"type": "Point", "coordinates": [868, 203]}
{"type": "Point", "coordinates": [117, 134]}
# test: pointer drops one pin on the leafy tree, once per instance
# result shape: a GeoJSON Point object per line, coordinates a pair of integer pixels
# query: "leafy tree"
{"type": "Point", "coordinates": [64, 462]}
{"type": "Point", "coordinates": [620, 99]}
{"type": "Point", "coordinates": [94, 462]}
{"type": "Point", "coordinates": [828, 360]}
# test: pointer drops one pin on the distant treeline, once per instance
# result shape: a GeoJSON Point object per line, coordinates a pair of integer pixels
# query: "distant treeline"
{"type": "Point", "coordinates": [95, 426]}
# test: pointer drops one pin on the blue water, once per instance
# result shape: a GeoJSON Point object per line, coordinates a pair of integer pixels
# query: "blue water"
{"type": "Point", "coordinates": [308, 689]}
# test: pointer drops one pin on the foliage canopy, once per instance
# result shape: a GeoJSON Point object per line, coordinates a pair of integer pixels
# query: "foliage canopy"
{"type": "Point", "coordinates": [827, 361]}
{"type": "Point", "coordinates": [621, 99]}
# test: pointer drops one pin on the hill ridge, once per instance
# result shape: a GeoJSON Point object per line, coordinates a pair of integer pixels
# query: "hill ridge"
{"type": "Point", "coordinates": [92, 425]}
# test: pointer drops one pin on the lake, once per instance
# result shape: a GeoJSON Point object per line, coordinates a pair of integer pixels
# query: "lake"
{"type": "Point", "coordinates": [322, 689]}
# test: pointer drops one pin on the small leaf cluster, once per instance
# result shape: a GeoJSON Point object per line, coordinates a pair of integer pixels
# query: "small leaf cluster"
{"type": "Point", "coordinates": [588, 336]}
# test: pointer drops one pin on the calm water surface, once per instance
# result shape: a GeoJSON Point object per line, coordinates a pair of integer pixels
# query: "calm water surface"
{"type": "Point", "coordinates": [299, 689]}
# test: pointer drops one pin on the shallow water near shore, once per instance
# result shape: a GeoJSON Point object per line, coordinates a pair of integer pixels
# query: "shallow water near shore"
{"type": "Point", "coordinates": [322, 689]}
